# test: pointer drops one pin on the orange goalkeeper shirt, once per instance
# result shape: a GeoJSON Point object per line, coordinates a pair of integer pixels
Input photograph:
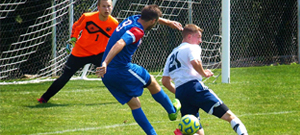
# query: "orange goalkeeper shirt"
{"type": "Point", "coordinates": [94, 34]}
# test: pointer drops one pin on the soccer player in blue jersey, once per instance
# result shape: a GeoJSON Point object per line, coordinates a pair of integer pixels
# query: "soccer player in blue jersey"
{"type": "Point", "coordinates": [184, 67]}
{"type": "Point", "coordinates": [126, 80]}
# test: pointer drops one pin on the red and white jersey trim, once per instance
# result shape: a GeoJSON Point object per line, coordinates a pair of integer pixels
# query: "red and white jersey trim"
{"type": "Point", "coordinates": [136, 34]}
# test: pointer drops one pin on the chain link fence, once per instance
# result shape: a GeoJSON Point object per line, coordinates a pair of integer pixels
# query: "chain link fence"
{"type": "Point", "coordinates": [262, 32]}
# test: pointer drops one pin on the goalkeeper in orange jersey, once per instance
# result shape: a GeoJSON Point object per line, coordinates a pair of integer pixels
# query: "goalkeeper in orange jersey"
{"type": "Point", "coordinates": [96, 29]}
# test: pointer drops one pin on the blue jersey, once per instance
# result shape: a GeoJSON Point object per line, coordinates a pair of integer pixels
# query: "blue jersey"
{"type": "Point", "coordinates": [124, 79]}
{"type": "Point", "coordinates": [131, 31]}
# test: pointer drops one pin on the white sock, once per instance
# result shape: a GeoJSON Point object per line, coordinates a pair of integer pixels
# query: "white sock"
{"type": "Point", "coordinates": [238, 126]}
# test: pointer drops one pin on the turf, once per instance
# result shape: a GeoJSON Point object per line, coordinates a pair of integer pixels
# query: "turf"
{"type": "Point", "coordinates": [266, 99]}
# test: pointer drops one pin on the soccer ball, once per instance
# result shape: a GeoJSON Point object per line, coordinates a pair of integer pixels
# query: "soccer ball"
{"type": "Point", "coordinates": [189, 124]}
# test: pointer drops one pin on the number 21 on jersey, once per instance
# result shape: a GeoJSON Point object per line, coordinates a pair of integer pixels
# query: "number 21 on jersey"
{"type": "Point", "coordinates": [174, 63]}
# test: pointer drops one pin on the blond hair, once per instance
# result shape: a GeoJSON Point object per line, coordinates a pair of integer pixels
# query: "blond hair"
{"type": "Point", "coordinates": [190, 29]}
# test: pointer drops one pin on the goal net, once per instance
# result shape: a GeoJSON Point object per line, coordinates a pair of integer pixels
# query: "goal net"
{"type": "Point", "coordinates": [35, 34]}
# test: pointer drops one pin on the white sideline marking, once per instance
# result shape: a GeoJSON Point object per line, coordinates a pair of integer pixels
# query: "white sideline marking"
{"type": "Point", "coordinates": [85, 129]}
{"type": "Point", "coordinates": [75, 90]}
{"type": "Point", "coordinates": [130, 124]}
{"type": "Point", "coordinates": [270, 113]}
{"type": "Point", "coordinates": [38, 80]}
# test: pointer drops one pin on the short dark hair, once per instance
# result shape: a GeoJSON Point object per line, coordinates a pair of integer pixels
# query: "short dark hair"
{"type": "Point", "coordinates": [150, 12]}
{"type": "Point", "coordinates": [190, 29]}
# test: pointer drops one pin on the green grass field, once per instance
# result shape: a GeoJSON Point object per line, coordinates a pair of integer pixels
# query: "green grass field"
{"type": "Point", "coordinates": [266, 99]}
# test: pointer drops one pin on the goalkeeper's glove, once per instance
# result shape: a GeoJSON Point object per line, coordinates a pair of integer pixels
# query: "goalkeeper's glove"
{"type": "Point", "coordinates": [70, 45]}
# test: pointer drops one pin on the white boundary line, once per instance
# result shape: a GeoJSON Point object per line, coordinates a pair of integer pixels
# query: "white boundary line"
{"type": "Point", "coordinates": [85, 129]}
{"type": "Point", "coordinates": [130, 124]}
{"type": "Point", "coordinates": [62, 91]}
{"type": "Point", "coordinates": [39, 80]}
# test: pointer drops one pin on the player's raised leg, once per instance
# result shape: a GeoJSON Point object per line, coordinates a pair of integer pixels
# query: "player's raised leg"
{"type": "Point", "coordinates": [140, 116]}
{"type": "Point", "coordinates": [161, 97]}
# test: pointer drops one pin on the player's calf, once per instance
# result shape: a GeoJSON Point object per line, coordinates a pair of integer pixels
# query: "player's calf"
{"type": "Point", "coordinates": [238, 126]}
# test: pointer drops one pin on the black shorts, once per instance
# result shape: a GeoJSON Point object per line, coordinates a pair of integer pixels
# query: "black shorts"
{"type": "Point", "coordinates": [75, 63]}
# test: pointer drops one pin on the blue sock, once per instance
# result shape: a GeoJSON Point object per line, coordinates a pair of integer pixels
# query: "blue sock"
{"type": "Point", "coordinates": [162, 98]}
{"type": "Point", "coordinates": [142, 120]}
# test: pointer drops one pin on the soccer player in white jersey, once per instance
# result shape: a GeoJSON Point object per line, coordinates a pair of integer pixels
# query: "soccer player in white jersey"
{"type": "Point", "coordinates": [184, 67]}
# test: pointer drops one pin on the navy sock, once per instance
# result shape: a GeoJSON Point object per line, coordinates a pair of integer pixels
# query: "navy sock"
{"type": "Point", "coordinates": [142, 120]}
{"type": "Point", "coordinates": [162, 98]}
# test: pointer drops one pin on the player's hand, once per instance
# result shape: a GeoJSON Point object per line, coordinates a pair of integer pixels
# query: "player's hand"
{"type": "Point", "coordinates": [208, 73]}
{"type": "Point", "coordinates": [100, 71]}
{"type": "Point", "coordinates": [175, 25]}
{"type": "Point", "coordinates": [73, 41]}
{"type": "Point", "coordinates": [69, 48]}
{"type": "Point", "coordinates": [70, 45]}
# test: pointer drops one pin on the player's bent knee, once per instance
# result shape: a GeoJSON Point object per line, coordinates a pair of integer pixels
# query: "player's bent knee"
{"type": "Point", "coordinates": [220, 110]}
{"type": "Point", "coordinates": [153, 86]}
{"type": "Point", "coordinates": [134, 103]}
{"type": "Point", "coordinates": [68, 71]}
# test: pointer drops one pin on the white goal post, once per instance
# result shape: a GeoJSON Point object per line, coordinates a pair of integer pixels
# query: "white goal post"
{"type": "Point", "coordinates": [226, 41]}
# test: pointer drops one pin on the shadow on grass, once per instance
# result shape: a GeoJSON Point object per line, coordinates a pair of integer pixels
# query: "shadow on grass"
{"type": "Point", "coordinates": [46, 105]}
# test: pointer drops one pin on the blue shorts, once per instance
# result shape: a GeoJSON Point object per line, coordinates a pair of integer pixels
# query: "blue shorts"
{"type": "Point", "coordinates": [194, 95]}
{"type": "Point", "coordinates": [125, 83]}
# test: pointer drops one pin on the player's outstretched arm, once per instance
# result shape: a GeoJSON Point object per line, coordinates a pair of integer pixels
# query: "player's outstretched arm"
{"type": "Point", "coordinates": [100, 71]}
{"type": "Point", "coordinates": [172, 24]}
{"type": "Point", "coordinates": [78, 26]}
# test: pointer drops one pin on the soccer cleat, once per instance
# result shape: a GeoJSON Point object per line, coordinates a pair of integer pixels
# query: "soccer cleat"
{"type": "Point", "coordinates": [177, 105]}
{"type": "Point", "coordinates": [177, 132]}
{"type": "Point", "coordinates": [42, 100]}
